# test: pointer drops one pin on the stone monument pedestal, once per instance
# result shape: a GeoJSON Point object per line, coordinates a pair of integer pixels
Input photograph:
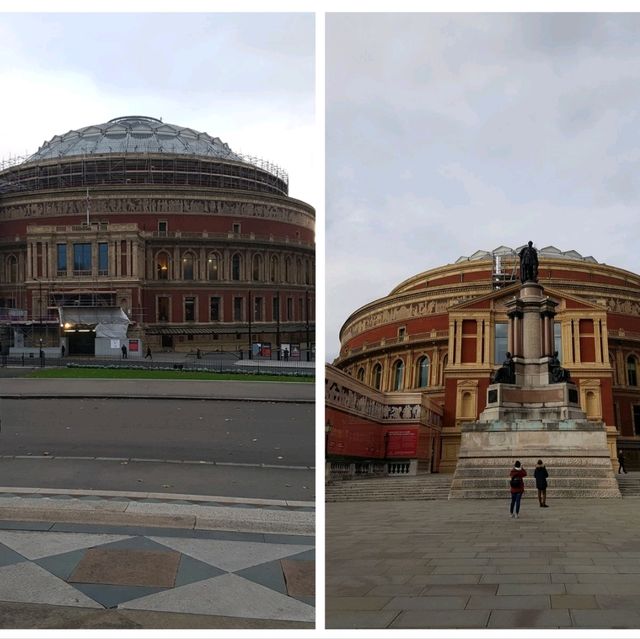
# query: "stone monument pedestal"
{"type": "Point", "coordinates": [533, 419]}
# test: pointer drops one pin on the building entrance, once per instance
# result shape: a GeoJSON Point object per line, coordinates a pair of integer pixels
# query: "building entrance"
{"type": "Point", "coordinates": [167, 341]}
{"type": "Point", "coordinates": [81, 343]}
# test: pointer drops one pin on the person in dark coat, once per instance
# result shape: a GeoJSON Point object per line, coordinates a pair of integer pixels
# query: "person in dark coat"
{"type": "Point", "coordinates": [541, 474]}
{"type": "Point", "coordinates": [517, 475]}
{"type": "Point", "coordinates": [621, 462]}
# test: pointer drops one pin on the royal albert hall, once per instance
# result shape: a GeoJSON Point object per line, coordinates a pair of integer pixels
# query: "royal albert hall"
{"type": "Point", "coordinates": [158, 233]}
{"type": "Point", "coordinates": [415, 365]}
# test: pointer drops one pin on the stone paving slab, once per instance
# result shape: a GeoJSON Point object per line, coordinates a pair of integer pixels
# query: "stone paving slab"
{"type": "Point", "coordinates": [441, 619]}
{"type": "Point", "coordinates": [84, 552]}
{"type": "Point", "coordinates": [575, 565]}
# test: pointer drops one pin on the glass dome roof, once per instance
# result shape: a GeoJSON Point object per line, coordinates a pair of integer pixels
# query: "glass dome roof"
{"type": "Point", "coordinates": [134, 134]}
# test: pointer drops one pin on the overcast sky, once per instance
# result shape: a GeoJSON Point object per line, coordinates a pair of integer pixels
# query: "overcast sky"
{"type": "Point", "coordinates": [449, 133]}
{"type": "Point", "coordinates": [245, 78]}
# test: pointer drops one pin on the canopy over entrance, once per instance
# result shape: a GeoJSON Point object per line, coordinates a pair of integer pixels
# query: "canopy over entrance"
{"type": "Point", "coordinates": [106, 322]}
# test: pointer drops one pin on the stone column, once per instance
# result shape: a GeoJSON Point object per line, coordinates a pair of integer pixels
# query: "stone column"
{"type": "Point", "coordinates": [517, 339]}
{"type": "Point", "coordinates": [576, 340]}
{"type": "Point", "coordinates": [597, 340]}
{"type": "Point", "coordinates": [458, 353]}
{"type": "Point", "coordinates": [531, 338]}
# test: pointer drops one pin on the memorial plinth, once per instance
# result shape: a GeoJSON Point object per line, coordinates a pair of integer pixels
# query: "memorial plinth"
{"type": "Point", "coordinates": [535, 417]}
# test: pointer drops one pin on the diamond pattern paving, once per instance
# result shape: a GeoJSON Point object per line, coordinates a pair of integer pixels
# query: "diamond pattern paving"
{"type": "Point", "coordinates": [227, 595]}
{"type": "Point", "coordinates": [192, 575]}
{"type": "Point", "coordinates": [127, 568]}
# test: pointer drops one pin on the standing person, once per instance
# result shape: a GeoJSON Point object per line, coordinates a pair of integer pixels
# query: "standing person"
{"type": "Point", "coordinates": [518, 473]}
{"type": "Point", "coordinates": [541, 474]}
{"type": "Point", "coordinates": [148, 353]}
{"type": "Point", "coordinates": [124, 351]}
{"type": "Point", "coordinates": [621, 462]}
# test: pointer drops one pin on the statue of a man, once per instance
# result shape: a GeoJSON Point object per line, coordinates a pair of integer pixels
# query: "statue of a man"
{"type": "Point", "coordinates": [557, 373]}
{"type": "Point", "coordinates": [528, 264]}
{"type": "Point", "coordinates": [506, 374]}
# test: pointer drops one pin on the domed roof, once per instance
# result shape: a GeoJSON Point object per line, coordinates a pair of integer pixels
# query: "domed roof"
{"type": "Point", "coordinates": [547, 251]}
{"type": "Point", "coordinates": [134, 134]}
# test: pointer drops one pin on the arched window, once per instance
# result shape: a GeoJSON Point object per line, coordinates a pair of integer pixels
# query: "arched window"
{"type": "Point", "coordinates": [213, 266]}
{"type": "Point", "coordinates": [398, 375]}
{"type": "Point", "coordinates": [162, 266]}
{"type": "Point", "coordinates": [423, 368]}
{"type": "Point", "coordinates": [275, 267]}
{"type": "Point", "coordinates": [360, 374]}
{"type": "Point", "coordinates": [235, 267]}
{"type": "Point", "coordinates": [632, 371]}
{"type": "Point", "coordinates": [256, 270]}
{"type": "Point", "coordinates": [12, 268]}
{"type": "Point", "coordinates": [287, 270]}
{"type": "Point", "coordinates": [376, 377]}
{"type": "Point", "coordinates": [188, 266]}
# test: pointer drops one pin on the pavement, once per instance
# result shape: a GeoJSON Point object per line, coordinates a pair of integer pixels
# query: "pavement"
{"type": "Point", "coordinates": [107, 559]}
{"type": "Point", "coordinates": [467, 564]}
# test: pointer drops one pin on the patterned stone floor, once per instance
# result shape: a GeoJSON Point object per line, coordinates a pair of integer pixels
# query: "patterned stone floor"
{"type": "Point", "coordinates": [247, 575]}
{"type": "Point", "coordinates": [466, 563]}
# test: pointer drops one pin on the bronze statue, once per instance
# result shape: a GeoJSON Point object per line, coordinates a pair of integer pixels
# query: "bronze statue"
{"type": "Point", "coordinates": [528, 263]}
{"type": "Point", "coordinates": [557, 374]}
{"type": "Point", "coordinates": [506, 374]}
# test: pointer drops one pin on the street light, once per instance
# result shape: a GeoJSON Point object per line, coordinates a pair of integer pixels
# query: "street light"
{"type": "Point", "coordinates": [307, 324]}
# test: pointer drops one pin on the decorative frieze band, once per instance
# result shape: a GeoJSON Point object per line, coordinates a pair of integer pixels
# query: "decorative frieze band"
{"type": "Point", "coordinates": [104, 205]}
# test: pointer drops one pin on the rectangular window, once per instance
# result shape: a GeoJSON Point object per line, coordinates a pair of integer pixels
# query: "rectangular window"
{"type": "Point", "coordinates": [557, 339]}
{"type": "Point", "coordinates": [636, 420]}
{"type": "Point", "coordinates": [189, 309]}
{"type": "Point", "coordinates": [163, 227]}
{"type": "Point", "coordinates": [500, 343]}
{"type": "Point", "coordinates": [237, 309]}
{"type": "Point", "coordinates": [275, 309]}
{"type": "Point", "coordinates": [123, 257]}
{"type": "Point", "coordinates": [163, 309]}
{"type": "Point", "coordinates": [300, 309]}
{"type": "Point", "coordinates": [62, 258]}
{"type": "Point", "coordinates": [82, 258]}
{"type": "Point", "coordinates": [103, 258]}
{"type": "Point", "coordinates": [289, 309]}
{"type": "Point", "coordinates": [236, 227]}
{"type": "Point", "coordinates": [257, 306]}
{"type": "Point", "coordinates": [214, 309]}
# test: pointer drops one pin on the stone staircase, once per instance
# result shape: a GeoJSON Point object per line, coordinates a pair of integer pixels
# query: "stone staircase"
{"type": "Point", "coordinates": [629, 484]}
{"type": "Point", "coordinates": [569, 477]}
{"type": "Point", "coordinates": [419, 488]}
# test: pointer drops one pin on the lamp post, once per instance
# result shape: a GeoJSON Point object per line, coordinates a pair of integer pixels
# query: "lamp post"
{"type": "Point", "coordinates": [307, 324]}
{"type": "Point", "coordinates": [277, 310]}
{"type": "Point", "coordinates": [250, 336]}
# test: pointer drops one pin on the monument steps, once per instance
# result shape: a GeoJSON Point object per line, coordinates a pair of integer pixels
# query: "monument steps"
{"type": "Point", "coordinates": [420, 488]}
{"type": "Point", "coordinates": [629, 484]}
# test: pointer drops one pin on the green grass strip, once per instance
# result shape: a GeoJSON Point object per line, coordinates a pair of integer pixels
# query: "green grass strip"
{"type": "Point", "coordinates": [130, 373]}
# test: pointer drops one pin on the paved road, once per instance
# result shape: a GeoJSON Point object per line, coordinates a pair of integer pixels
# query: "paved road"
{"type": "Point", "coordinates": [248, 449]}
{"type": "Point", "coordinates": [467, 564]}
{"type": "Point", "coordinates": [240, 432]}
